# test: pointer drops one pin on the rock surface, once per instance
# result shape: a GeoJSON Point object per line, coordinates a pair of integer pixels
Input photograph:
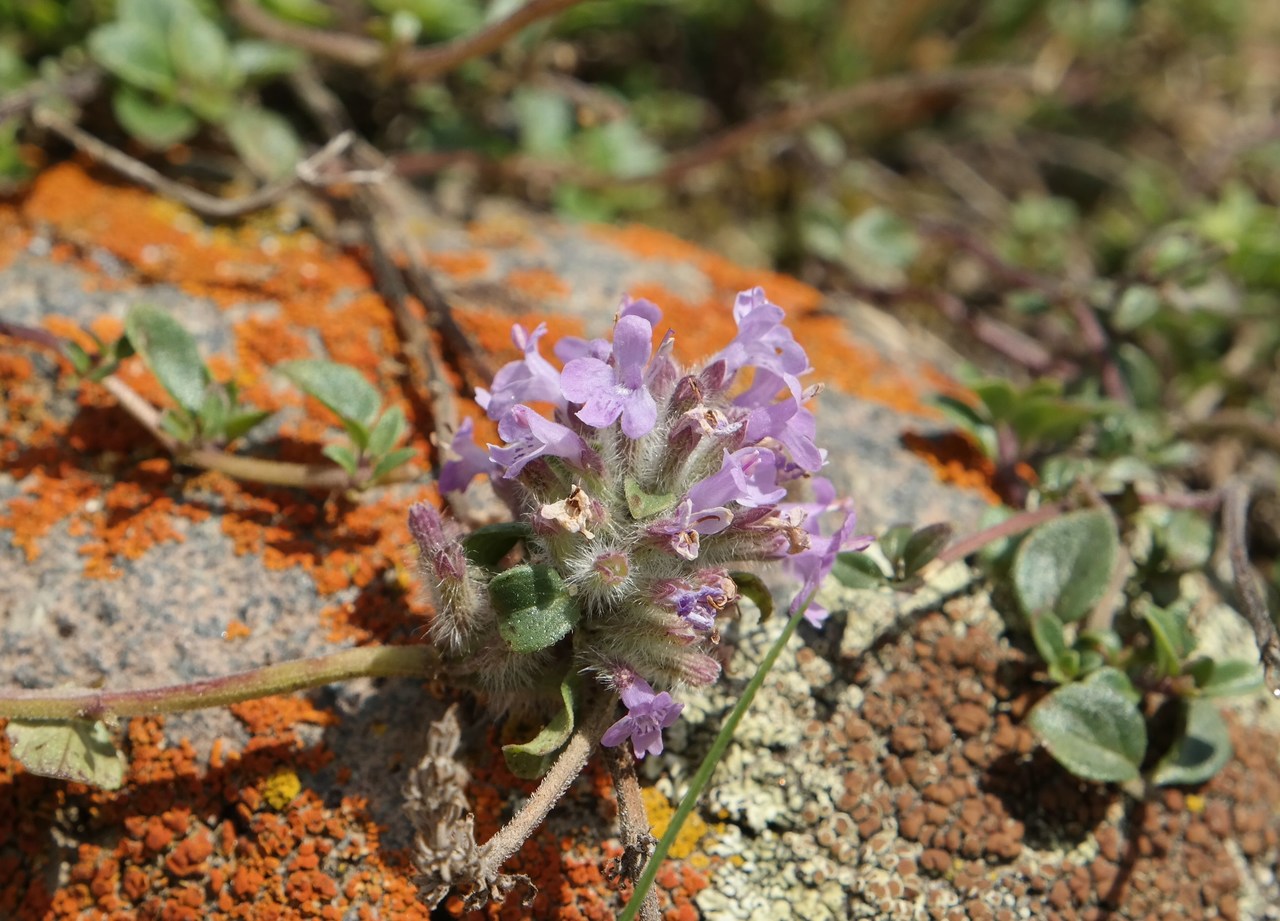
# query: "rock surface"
{"type": "Point", "coordinates": [891, 779]}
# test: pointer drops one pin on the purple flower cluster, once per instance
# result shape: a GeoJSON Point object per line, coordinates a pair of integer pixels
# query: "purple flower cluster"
{"type": "Point", "coordinates": [644, 486]}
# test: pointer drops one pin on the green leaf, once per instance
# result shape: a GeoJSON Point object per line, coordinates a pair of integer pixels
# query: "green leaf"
{"type": "Point", "coordinates": [79, 358]}
{"type": "Point", "coordinates": [391, 461]}
{"type": "Point", "coordinates": [171, 354]}
{"type": "Point", "coordinates": [644, 505]}
{"type": "Point", "coordinates": [998, 396]}
{"type": "Point", "coordinates": [1092, 730]}
{"type": "Point", "coordinates": [1173, 642]}
{"type": "Point", "coordinates": [159, 125]}
{"type": "Point", "coordinates": [307, 12]}
{"type": "Point", "coordinates": [1229, 678]}
{"type": "Point", "coordinates": [752, 587]}
{"type": "Point", "coordinates": [265, 141]}
{"type": "Point", "coordinates": [924, 545]}
{"type": "Point", "coordinates": [343, 456]}
{"type": "Point", "coordinates": [881, 237]}
{"type": "Point", "coordinates": [1187, 538]}
{"type": "Point", "coordinates": [342, 389]}
{"type": "Point", "coordinates": [1114, 679]}
{"type": "Point", "coordinates": [1064, 565]}
{"type": "Point", "coordinates": [532, 759]}
{"type": "Point", "coordinates": [240, 423]}
{"type": "Point", "coordinates": [134, 53]}
{"type": "Point", "coordinates": [257, 60]}
{"type": "Point", "coordinates": [858, 570]}
{"type": "Point", "coordinates": [1200, 750]}
{"type": "Point", "coordinates": [1051, 643]}
{"type": "Point", "coordinates": [180, 424]}
{"type": "Point", "coordinates": [1137, 305]}
{"type": "Point", "coordinates": [544, 120]}
{"type": "Point", "coordinates": [534, 610]}
{"type": "Point", "coordinates": [387, 432]}
{"type": "Point", "coordinates": [960, 412]}
{"type": "Point", "coordinates": [893, 544]}
{"type": "Point", "coordinates": [198, 48]}
{"type": "Point", "coordinates": [487, 545]}
{"type": "Point", "coordinates": [79, 750]}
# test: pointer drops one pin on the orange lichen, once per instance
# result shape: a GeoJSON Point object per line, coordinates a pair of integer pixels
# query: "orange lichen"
{"type": "Point", "coordinates": [955, 459]}
{"type": "Point", "coordinates": [460, 265]}
{"type": "Point", "coordinates": [539, 283]}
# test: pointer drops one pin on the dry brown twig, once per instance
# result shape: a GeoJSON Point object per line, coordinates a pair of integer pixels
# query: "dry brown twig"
{"type": "Point", "coordinates": [1235, 514]}
{"type": "Point", "coordinates": [734, 140]}
{"type": "Point", "coordinates": [414, 64]}
{"type": "Point", "coordinates": [638, 842]}
{"type": "Point", "coordinates": [310, 171]}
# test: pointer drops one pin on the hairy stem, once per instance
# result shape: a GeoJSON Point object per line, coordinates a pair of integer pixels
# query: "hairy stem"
{"type": "Point", "coordinates": [1010, 527]}
{"type": "Point", "coordinates": [511, 837]}
{"type": "Point", "coordinates": [282, 678]}
{"type": "Point", "coordinates": [633, 821]}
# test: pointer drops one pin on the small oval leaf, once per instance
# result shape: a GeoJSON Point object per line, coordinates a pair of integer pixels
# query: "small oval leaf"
{"type": "Point", "coordinates": [1228, 678]}
{"type": "Point", "coordinates": [752, 587]}
{"type": "Point", "coordinates": [1092, 731]}
{"type": "Point", "coordinates": [534, 611]}
{"type": "Point", "coordinates": [78, 750]}
{"type": "Point", "coordinates": [170, 352]}
{"type": "Point", "coordinates": [1200, 750]}
{"type": "Point", "coordinates": [532, 759]}
{"type": "Point", "coordinates": [924, 545]}
{"type": "Point", "coordinates": [487, 545]}
{"type": "Point", "coordinates": [1064, 565]}
{"type": "Point", "coordinates": [341, 388]}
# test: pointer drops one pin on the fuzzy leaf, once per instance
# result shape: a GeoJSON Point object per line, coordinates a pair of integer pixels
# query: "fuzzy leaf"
{"type": "Point", "coordinates": [159, 125]}
{"type": "Point", "coordinates": [1092, 731]}
{"type": "Point", "coordinates": [198, 48]}
{"type": "Point", "coordinates": [858, 570]}
{"type": "Point", "coordinates": [1115, 679]}
{"type": "Point", "coordinates": [264, 140]}
{"type": "Point", "coordinates": [387, 432]}
{"type": "Point", "coordinates": [923, 546]}
{"type": "Point", "coordinates": [893, 544]}
{"type": "Point", "coordinates": [341, 388]}
{"type": "Point", "coordinates": [644, 505]}
{"type": "Point", "coordinates": [239, 423]}
{"type": "Point", "coordinates": [487, 545]}
{"type": "Point", "coordinates": [343, 456]}
{"type": "Point", "coordinates": [1064, 565]}
{"type": "Point", "coordinates": [79, 750]}
{"type": "Point", "coordinates": [391, 461]}
{"type": "Point", "coordinates": [1200, 750]}
{"type": "Point", "coordinates": [1173, 641]}
{"type": "Point", "coordinates": [534, 611]}
{"type": "Point", "coordinates": [752, 587]}
{"type": "Point", "coordinates": [1046, 633]}
{"type": "Point", "coordinates": [1229, 678]}
{"type": "Point", "coordinates": [531, 759]}
{"type": "Point", "coordinates": [170, 352]}
{"type": "Point", "coordinates": [255, 59]}
{"type": "Point", "coordinates": [134, 53]}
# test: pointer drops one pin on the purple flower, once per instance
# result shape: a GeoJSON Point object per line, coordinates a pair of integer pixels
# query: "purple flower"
{"type": "Point", "coordinates": [467, 460]}
{"type": "Point", "coordinates": [683, 530]}
{"type": "Point", "coordinates": [529, 436]}
{"type": "Point", "coordinates": [571, 347]}
{"type": "Point", "coordinates": [609, 391]}
{"type": "Point", "coordinates": [762, 340]}
{"type": "Point", "coordinates": [787, 421]}
{"type": "Point", "coordinates": [531, 379]}
{"type": "Point", "coordinates": [443, 553]}
{"type": "Point", "coordinates": [699, 602]}
{"type": "Point", "coordinates": [813, 564]}
{"type": "Point", "coordinates": [748, 476]}
{"type": "Point", "coordinates": [647, 715]}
